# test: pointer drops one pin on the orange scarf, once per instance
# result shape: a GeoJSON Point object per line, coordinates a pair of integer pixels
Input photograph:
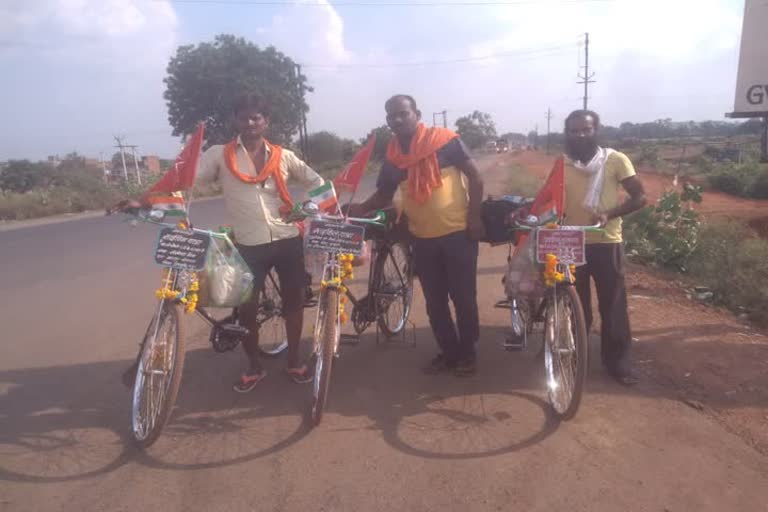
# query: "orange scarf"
{"type": "Point", "coordinates": [271, 168]}
{"type": "Point", "coordinates": [421, 161]}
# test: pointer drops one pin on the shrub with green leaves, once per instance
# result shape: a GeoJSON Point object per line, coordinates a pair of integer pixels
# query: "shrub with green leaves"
{"type": "Point", "coordinates": [665, 234]}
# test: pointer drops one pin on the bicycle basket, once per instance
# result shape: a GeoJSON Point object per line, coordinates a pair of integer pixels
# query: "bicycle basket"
{"type": "Point", "coordinates": [226, 281]}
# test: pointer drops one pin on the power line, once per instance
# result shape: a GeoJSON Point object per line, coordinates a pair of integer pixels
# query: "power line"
{"type": "Point", "coordinates": [531, 52]}
{"type": "Point", "coordinates": [357, 3]}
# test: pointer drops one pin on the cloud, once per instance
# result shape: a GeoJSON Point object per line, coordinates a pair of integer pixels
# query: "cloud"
{"type": "Point", "coordinates": [93, 67]}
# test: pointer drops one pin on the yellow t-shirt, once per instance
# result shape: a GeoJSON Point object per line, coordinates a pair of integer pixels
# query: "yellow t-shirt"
{"type": "Point", "coordinates": [445, 211]}
{"type": "Point", "coordinates": [617, 168]}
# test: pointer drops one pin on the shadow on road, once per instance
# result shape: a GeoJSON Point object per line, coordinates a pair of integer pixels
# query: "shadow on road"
{"type": "Point", "coordinates": [72, 422]}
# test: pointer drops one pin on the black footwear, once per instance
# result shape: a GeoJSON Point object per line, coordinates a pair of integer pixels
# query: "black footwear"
{"type": "Point", "coordinates": [439, 364]}
{"type": "Point", "coordinates": [466, 367]}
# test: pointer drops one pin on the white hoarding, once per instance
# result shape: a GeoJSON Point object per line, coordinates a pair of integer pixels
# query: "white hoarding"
{"type": "Point", "coordinates": [752, 81]}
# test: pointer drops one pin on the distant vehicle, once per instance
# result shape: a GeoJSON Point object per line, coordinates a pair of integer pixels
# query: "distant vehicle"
{"type": "Point", "coordinates": [502, 146]}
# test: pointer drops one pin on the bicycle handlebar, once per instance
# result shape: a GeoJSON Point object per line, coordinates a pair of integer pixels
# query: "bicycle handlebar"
{"type": "Point", "coordinates": [531, 226]}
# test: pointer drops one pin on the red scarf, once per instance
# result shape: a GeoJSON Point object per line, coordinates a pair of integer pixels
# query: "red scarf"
{"type": "Point", "coordinates": [271, 168]}
{"type": "Point", "coordinates": [421, 161]}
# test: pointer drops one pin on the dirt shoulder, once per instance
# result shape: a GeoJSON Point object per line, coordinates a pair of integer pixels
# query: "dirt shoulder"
{"type": "Point", "coordinates": [706, 356]}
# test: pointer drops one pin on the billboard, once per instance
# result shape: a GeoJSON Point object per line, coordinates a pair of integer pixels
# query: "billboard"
{"type": "Point", "coordinates": [752, 81]}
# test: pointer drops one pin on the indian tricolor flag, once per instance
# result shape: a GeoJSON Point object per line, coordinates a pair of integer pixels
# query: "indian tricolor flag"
{"type": "Point", "coordinates": [324, 196]}
{"type": "Point", "coordinates": [170, 204]}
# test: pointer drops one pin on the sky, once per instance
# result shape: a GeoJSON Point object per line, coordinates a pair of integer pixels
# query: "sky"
{"type": "Point", "coordinates": [78, 72]}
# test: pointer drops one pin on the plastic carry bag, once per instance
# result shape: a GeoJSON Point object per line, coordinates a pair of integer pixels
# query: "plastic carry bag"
{"type": "Point", "coordinates": [226, 281]}
{"type": "Point", "coordinates": [523, 276]}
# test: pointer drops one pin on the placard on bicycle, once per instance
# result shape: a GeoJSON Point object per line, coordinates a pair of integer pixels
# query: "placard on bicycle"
{"type": "Point", "coordinates": [567, 244]}
{"type": "Point", "coordinates": [182, 249]}
{"type": "Point", "coordinates": [335, 237]}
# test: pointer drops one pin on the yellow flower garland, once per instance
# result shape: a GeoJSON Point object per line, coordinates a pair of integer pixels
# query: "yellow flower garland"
{"type": "Point", "coordinates": [188, 299]}
{"type": "Point", "coordinates": [551, 274]}
{"type": "Point", "coordinates": [345, 274]}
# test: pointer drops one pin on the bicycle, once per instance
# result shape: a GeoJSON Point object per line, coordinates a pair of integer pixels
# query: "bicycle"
{"type": "Point", "coordinates": [390, 282]}
{"type": "Point", "coordinates": [553, 302]}
{"type": "Point", "coordinates": [340, 237]}
{"type": "Point", "coordinates": [160, 362]}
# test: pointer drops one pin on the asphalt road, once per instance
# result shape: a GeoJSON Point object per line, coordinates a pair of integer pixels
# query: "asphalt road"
{"type": "Point", "coordinates": [75, 298]}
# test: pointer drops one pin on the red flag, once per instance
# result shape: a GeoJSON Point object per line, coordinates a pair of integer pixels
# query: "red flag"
{"type": "Point", "coordinates": [549, 204]}
{"type": "Point", "coordinates": [350, 177]}
{"type": "Point", "coordinates": [182, 175]}
{"type": "Point", "coordinates": [550, 201]}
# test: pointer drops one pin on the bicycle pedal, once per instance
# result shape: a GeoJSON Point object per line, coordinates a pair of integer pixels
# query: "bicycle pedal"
{"type": "Point", "coordinates": [349, 339]}
{"type": "Point", "coordinates": [234, 329]}
{"type": "Point", "coordinates": [512, 344]}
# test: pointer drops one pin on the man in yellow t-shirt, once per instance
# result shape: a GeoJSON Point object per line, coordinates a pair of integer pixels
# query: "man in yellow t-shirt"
{"type": "Point", "coordinates": [595, 178]}
{"type": "Point", "coordinates": [441, 192]}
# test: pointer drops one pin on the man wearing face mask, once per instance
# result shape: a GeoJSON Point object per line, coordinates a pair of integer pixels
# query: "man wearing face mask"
{"type": "Point", "coordinates": [594, 179]}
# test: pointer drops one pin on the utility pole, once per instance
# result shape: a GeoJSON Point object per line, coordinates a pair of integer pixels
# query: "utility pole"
{"type": "Point", "coordinates": [303, 139]}
{"type": "Point", "coordinates": [586, 79]}
{"type": "Point", "coordinates": [121, 146]}
{"type": "Point", "coordinates": [136, 164]}
{"type": "Point", "coordinates": [549, 118]}
{"type": "Point", "coordinates": [443, 114]}
{"type": "Point", "coordinates": [103, 166]}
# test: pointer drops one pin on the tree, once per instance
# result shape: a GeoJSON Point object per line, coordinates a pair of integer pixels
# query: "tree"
{"type": "Point", "coordinates": [327, 147]}
{"type": "Point", "coordinates": [476, 129]}
{"type": "Point", "coordinates": [383, 134]}
{"type": "Point", "coordinates": [22, 176]}
{"type": "Point", "coordinates": [203, 80]}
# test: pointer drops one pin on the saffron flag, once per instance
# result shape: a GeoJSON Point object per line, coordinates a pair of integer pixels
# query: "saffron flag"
{"type": "Point", "coordinates": [182, 175]}
{"type": "Point", "coordinates": [349, 178]}
{"type": "Point", "coordinates": [549, 204]}
{"type": "Point", "coordinates": [324, 196]}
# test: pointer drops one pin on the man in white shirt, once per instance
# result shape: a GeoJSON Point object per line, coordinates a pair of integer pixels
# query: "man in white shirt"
{"type": "Point", "coordinates": [253, 174]}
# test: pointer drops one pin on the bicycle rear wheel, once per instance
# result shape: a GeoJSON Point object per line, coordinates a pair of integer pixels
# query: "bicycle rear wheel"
{"type": "Point", "coordinates": [393, 288]}
{"type": "Point", "coordinates": [158, 376]}
{"type": "Point", "coordinates": [326, 341]}
{"type": "Point", "coordinates": [565, 351]}
{"type": "Point", "coordinates": [272, 337]}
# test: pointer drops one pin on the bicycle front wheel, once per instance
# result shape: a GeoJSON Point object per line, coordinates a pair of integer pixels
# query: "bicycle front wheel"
{"type": "Point", "coordinates": [393, 288]}
{"type": "Point", "coordinates": [565, 351]}
{"type": "Point", "coordinates": [326, 341]}
{"type": "Point", "coordinates": [158, 376]}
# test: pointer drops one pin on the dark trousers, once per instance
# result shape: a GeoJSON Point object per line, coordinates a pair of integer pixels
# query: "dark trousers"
{"type": "Point", "coordinates": [447, 267]}
{"type": "Point", "coordinates": [605, 265]}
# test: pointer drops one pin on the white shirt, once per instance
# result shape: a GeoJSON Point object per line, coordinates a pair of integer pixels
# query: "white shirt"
{"type": "Point", "coordinates": [254, 208]}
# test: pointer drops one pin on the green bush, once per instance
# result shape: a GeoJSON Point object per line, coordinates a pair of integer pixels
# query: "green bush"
{"type": "Point", "coordinates": [759, 189]}
{"type": "Point", "coordinates": [734, 265]}
{"type": "Point", "coordinates": [729, 183]}
{"type": "Point", "coordinates": [665, 234]}
{"type": "Point", "coordinates": [749, 179]}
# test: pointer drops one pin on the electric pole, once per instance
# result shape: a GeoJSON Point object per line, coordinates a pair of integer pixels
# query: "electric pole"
{"type": "Point", "coordinates": [586, 79]}
{"type": "Point", "coordinates": [549, 118]}
{"type": "Point", "coordinates": [136, 164]}
{"type": "Point", "coordinates": [303, 138]}
{"type": "Point", "coordinates": [121, 146]}
{"type": "Point", "coordinates": [443, 114]}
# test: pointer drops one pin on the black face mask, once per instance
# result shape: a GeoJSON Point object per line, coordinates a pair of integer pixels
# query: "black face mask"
{"type": "Point", "coordinates": [581, 148]}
